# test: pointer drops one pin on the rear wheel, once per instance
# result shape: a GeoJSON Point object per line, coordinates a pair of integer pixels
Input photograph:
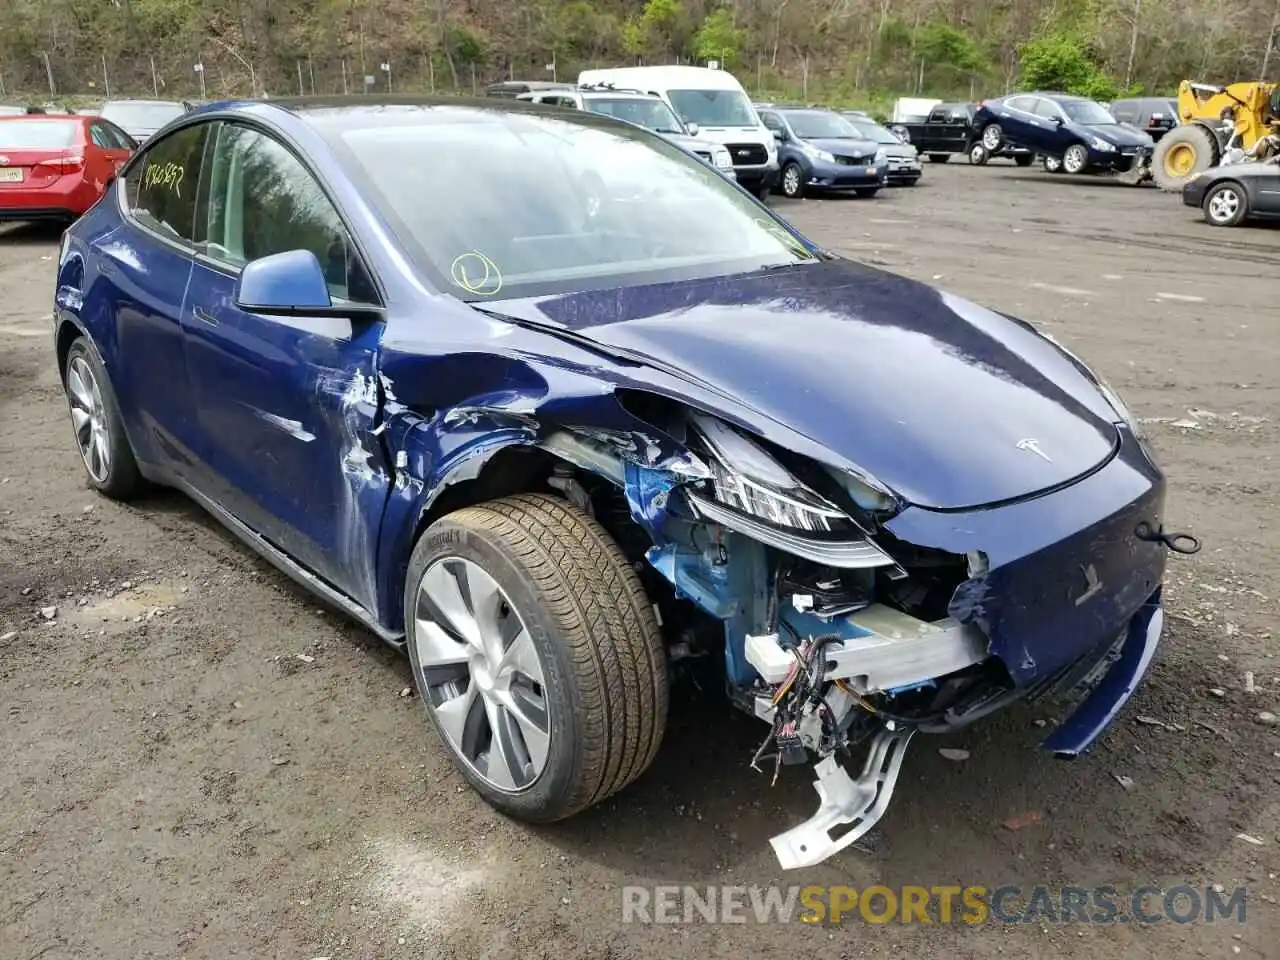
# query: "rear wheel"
{"type": "Point", "coordinates": [792, 181]}
{"type": "Point", "coordinates": [939, 157]}
{"type": "Point", "coordinates": [992, 137]}
{"type": "Point", "coordinates": [1052, 165]}
{"type": "Point", "coordinates": [536, 653]}
{"type": "Point", "coordinates": [979, 154]}
{"type": "Point", "coordinates": [1183, 154]}
{"type": "Point", "coordinates": [1076, 159]}
{"type": "Point", "coordinates": [1226, 205]}
{"type": "Point", "coordinates": [98, 427]}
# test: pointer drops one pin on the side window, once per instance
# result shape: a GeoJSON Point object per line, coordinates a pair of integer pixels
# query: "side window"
{"type": "Point", "coordinates": [773, 122]}
{"type": "Point", "coordinates": [1046, 109]}
{"type": "Point", "coordinates": [1025, 104]}
{"type": "Point", "coordinates": [123, 140]}
{"type": "Point", "coordinates": [161, 188]}
{"type": "Point", "coordinates": [940, 115]}
{"type": "Point", "coordinates": [102, 137]}
{"type": "Point", "coordinates": [262, 200]}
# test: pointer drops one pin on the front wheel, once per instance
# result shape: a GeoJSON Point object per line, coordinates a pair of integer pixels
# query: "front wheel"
{"type": "Point", "coordinates": [867, 192]}
{"type": "Point", "coordinates": [792, 181]}
{"type": "Point", "coordinates": [1226, 205]}
{"type": "Point", "coordinates": [979, 154]}
{"type": "Point", "coordinates": [536, 653]}
{"type": "Point", "coordinates": [1076, 159]}
{"type": "Point", "coordinates": [992, 137]}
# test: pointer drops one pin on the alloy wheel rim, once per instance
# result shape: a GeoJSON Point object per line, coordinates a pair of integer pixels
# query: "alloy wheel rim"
{"type": "Point", "coordinates": [482, 675]}
{"type": "Point", "coordinates": [88, 419]}
{"type": "Point", "coordinates": [1073, 162]}
{"type": "Point", "coordinates": [991, 138]}
{"type": "Point", "coordinates": [1224, 205]}
{"type": "Point", "coordinates": [976, 153]}
{"type": "Point", "coordinates": [792, 181]}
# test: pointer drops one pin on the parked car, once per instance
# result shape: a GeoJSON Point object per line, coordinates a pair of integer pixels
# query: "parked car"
{"type": "Point", "coordinates": [1233, 193]}
{"type": "Point", "coordinates": [56, 167]}
{"type": "Point", "coordinates": [512, 89]}
{"type": "Point", "coordinates": [717, 103]}
{"type": "Point", "coordinates": [1072, 134]}
{"type": "Point", "coordinates": [1155, 116]}
{"type": "Point", "coordinates": [820, 151]}
{"type": "Point", "coordinates": [902, 160]}
{"type": "Point", "coordinates": [949, 129]}
{"type": "Point", "coordinates": [553, 444]}
{"type": "Point", "coordinates": [142, 118]}
{"type": "Point", "coordinates": [643, 109]}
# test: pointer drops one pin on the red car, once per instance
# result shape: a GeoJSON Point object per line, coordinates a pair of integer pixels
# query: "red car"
{"type": "Point", "coordinates": [56, 167]}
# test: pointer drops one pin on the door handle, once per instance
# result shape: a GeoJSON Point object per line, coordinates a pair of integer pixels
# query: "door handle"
{"type": "Point", "coordinates": [204, 316]}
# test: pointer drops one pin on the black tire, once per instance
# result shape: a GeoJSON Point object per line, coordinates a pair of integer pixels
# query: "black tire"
{"type": "Point", "coordinates": [595, 634]}
{"type": "Point", "coordinates": [119, 478]}
{"type": "Point", "coordinates": [1024, 159]}
{"type": "Point", "coordinates": [791, 181]}
{"type": "Point", "coordinates": [939, 157]}
{"type": "Point", "coordinates": [1077, 155]}
{"type": "Point", "coordinates": [1183, 154]}
{"type": "Point", "coordinates": [866, 193]}
{"type": "Point", "coordinates": [1052, 164]}
{"type": "Point", "coordinates": [978, 154]}
{"type": "Point", "coordinates": [1226, 205]}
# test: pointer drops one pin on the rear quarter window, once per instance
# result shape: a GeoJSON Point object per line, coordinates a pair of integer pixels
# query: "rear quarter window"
{"type": "Point", "coordinates": [161, 187]}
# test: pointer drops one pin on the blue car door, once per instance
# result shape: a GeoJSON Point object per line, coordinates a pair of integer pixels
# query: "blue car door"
{"type": "Point", "coordinates": [144, 267]}
{"type": "Point", "coordinates": [1018, 120]}
{"type": "Point", "coordinates": [288, 405]}
{"type": "Point", "coordinates": [1051, 134]}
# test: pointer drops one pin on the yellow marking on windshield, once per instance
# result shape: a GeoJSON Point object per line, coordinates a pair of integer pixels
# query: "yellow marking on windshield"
{"type": "Point", "coordinates": [165, 175]}
{"type": "Point", "coordinates": [476, 273]}
{"type": "Point", "coordinates": [787, 239]}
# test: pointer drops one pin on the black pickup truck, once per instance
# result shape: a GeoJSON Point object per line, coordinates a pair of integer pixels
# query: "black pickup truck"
{"type": "Point", "coordinates": [949, 129]}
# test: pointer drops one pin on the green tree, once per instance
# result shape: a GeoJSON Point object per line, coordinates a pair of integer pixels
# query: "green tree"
{"type": "Point", "coordinates": [718, 38]}
{"type": "Point", "coordinates": [1063, 62]}
{"type": "Point", "coordinates": [941, 45]}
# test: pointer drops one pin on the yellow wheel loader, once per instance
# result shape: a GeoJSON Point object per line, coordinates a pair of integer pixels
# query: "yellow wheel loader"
{"type": "Point", "coordinates": [1209, 116]}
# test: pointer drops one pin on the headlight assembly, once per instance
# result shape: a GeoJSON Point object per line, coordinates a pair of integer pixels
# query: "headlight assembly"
{"type": "Point", "coordinates": [755, 495]}
{"type": "Point", "coordinates": [1102, 145]}
{"type": "Point", "coordinates": [817, 154]}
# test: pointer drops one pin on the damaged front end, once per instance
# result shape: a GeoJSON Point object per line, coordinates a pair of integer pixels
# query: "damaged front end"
{"type": "Point", "coordinates": [850, 620]}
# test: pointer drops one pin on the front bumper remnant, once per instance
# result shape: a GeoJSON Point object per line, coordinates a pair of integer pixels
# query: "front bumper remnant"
{"type": "Point", "coordinates": [858, 804]}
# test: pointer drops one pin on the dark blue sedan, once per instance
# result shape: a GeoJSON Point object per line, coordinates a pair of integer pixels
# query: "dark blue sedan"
{"type": "Point", "coordinates": [1072, 134]}
{"type": "Point", "coordinates": [565, 413]}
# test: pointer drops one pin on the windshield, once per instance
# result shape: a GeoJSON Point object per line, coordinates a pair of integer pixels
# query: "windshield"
{"type": "Point", "coordinates": [142, 116]}
{"type": "Point", "coordinates": [539, 205]}
{"type": "Point", "coordinates": [37, 134]}
{"type": "Point", "coordinates": [822, 126]}
{"type": "Point", "coordinates": [714, 108]}
{"type": "Point", "coordinates": [1086, 112]}
{"type": "Point", "coordinates": [873, 131]}
{"type": "Point", "coordinates": [652, 114]}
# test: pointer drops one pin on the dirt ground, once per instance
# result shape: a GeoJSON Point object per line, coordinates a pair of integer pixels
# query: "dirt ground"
{"type": "Point", "coordinates": [199, 762]}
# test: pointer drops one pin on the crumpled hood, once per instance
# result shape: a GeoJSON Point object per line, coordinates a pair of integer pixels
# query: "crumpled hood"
{"type": "Point", "coordinates": [1117, 133]}
{"type": "Point", "coordinates": [949, 404]}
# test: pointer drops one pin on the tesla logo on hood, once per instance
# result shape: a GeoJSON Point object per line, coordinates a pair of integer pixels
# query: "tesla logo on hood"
{"type": "Point", "coordinates": [1033, 446]}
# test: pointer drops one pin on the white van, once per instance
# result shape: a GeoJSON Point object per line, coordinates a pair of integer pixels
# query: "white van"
{"type": "Point", "coordinates": [713, 106]}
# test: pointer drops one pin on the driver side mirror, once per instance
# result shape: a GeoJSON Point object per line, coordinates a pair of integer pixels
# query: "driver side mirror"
{"type": "Point", "coordinates": [291, 284]}
{"type": "Point", "coordinates": [779, 135]}
{"type": "Point", "coordinates": [1059, 121]}
{"type": "Point", "coordinates": [692, 128]}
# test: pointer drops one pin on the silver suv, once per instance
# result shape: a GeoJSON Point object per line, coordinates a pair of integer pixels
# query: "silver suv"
{"type": "Point", "coordinates": [642, 109]}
